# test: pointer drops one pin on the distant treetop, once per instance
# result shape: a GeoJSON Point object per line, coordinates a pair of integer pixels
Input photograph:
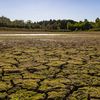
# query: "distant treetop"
{"type": "Point", "coordinates": [51, 25]}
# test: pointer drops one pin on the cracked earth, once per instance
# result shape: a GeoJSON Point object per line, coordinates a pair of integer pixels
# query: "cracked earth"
{"type": "Point", "coordinates": [51, 69]}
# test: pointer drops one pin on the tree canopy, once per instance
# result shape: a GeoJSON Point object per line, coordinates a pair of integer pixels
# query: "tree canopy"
{"type": "Point", "coordinates": [51, 25]}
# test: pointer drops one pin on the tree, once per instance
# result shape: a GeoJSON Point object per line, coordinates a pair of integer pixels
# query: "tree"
{"type": "Point", "coordinates": [86, 25]}
{"type": "Point", "coordinates": [97, 20]}
{"type": "Point", "coordinates": [97, 23]}
{"type": "Point", "coordinates": [29, 24]}
{"type": "Point", "coordinates": [5, 22]}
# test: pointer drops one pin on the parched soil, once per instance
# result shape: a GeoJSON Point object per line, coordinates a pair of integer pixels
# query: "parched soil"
{"type": "Point", "coordinates": [65, 68]}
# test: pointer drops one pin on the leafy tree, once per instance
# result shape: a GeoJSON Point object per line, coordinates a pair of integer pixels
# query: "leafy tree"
{"type": "Point", "coordinates": [97, 23]}
{"type": "Point", "coordinates": [18, 24]}
{"type": "Point", "coordinates": [4, 22]}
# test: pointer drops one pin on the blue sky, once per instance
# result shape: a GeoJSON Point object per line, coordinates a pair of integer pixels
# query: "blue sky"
{"type": "Point", "coordinates": [37, 10]}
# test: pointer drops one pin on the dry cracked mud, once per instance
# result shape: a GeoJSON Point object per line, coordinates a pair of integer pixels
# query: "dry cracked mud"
{"type": "Point", "coordinates": [50, 69]}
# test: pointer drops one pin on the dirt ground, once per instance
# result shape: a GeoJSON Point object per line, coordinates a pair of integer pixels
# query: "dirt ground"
{"type": "Point", "coordinates": [62, 67]}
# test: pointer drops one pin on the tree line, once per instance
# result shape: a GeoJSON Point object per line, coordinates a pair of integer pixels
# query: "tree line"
{"type": "Point", "coordinates": [51, 25]}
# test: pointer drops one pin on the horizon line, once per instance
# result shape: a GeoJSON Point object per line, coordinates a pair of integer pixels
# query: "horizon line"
{"type": "Point", "coordinates": [25, 20]}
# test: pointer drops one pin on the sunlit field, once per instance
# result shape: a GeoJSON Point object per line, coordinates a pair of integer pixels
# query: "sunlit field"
{"type": "Point", "coordinates": [50, 67]}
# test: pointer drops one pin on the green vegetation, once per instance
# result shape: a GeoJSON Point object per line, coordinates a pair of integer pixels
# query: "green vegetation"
{"type": "Point", "coordinates": [26, 95]}
{"type": "Point", "coordinates": [51, 25]}
{"type": "Point", "coordinates": [46, 68]}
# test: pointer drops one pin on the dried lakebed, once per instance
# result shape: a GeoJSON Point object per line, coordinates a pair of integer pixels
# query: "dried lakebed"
{"type": "Point", "coordinates": [62, 68]}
